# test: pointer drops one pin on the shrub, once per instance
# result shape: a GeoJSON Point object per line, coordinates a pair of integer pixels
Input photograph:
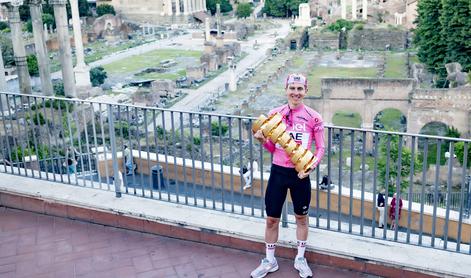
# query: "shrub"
{"type": "Point", "coordinates": [105, 9]}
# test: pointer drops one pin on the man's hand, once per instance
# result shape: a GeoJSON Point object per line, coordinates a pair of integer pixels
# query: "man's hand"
{"type": "Point", "coordinates": [260, 137]}
{"type": "Point", "coordinates": [302, 174]}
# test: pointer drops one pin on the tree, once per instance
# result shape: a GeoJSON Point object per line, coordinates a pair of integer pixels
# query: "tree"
{"type": "Point", "coordinates": [455, 20]}
{"type": "Point", "coordinates": [7, 50]}
{"type": "Point", "coordinates": [84, 8]}
{"type": "Point", "coordinates": [4, 25]}
{"type": "Point", "coordinates": [215, 128]}
{"type": "Point", "coordinates": [225, 6]}
{"type": "Point", "coordinates": [459, 152]}
{"type": "Point", "coordinates": [97, 76]}
{"type": "Point", "coordinates": [406, 158]}
{"type": "Point", "coordinates": [105, 9]}
{"type": "Point", "coordinates": [32, 65]}
{"type": "Point", "coordinates": [244, 10]}
{"type": "Point", "coordinates": [431, 46]}
{"type": "Point", "coordinates": [339, 24]}
{"type": "Point", "coordinates": [282, 8]}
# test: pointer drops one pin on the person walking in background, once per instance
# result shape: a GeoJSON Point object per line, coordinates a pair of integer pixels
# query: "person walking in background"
{"type": "Point", "coordinates": [252, 167]}
{"type": "Point", "coordinates": [305, 126]}
{"type": "Point", "coordinates": [128, 161]}
{"type": "Point", "coordinates": [380, 206]}
{"type": "Point", "coordinates": [392, 211]}
{"type": "Point", "coordinates": [71, 157]}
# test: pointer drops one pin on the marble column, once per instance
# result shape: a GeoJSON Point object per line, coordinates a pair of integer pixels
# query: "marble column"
{"type": "Point", "coordinates": [204, 5]}
{"type": "Point", "coordinates": [40, 46]}
{"type": "Point", "coordinates": [207, 34]}
{"type": "Point", "coordinates": [177, 7]}
{"type": "Point", "coordinates": [163, 7]}
{"type": "Point", "coordinates": [19, 48]}
{"type": "Point", "coordinates": [65, 53]}
{"type": "Point", "coordinates": [81, 70]}
{"type": "Point", "coordinates": [168, 4]}
{"type": "Point", "coordinates": [364, 9]}
{"type": "Point", "coordinates": [3, 84]}
{"type": "Point", "coordinates": [354, 9]}
{"type": "Point", "coordinates": [185, 7]}
{"type": "Point", "coordinates": [343, 7]}
{"type": "Point", "coordinates": [232, 77]}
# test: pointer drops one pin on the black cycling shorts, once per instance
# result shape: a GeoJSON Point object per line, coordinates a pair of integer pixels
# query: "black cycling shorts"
{"type": "Point", "coordinates": [282, 178]}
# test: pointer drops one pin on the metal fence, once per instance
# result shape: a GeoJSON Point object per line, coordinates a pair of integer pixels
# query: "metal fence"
{"type": "Point", "coordinates": [196, 159]}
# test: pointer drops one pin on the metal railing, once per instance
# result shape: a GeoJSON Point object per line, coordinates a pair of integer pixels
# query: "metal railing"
{"type": "Point", "coordinates": [196, 159]}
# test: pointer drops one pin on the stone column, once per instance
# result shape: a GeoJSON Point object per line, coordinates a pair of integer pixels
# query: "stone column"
{"type": "Point", "coordinates": [207, 34]}
{"type": "Point", "coordinates": [163, 5]}
{"type": "Point", "coordinates": [204, 5]}
{"type": "Point", "coordinates": [218, 19]}
{"type": "Point", "coordinates": [185, 7]}
{"type": "Point", "coordinates": [177, 7]}
{"type": "Point", "coordinates": [82, 70]}
{"type": "Point", "coordinates": [232, 78]}
{"type": "Point", "coordinates": [364, 9]}
{"type": "Point", "coordinates": [3, 83]}
{"type": "Point", "coordinates": [354, 9]}
{"type": "Point", "coordinates": [65, 53]}
{"type": "Point", "coordinates": [168, 4]}
{"type": "Point", "coordinates": [343, 4]}
{"type": "Point", "coordinates": [19, 49]}
{"type": "Point", "coordinates": [40, 46]}
{"type": "Point", "coordinates": [45, 32]}
{"type": "Point", "coordinates": [369, 136]}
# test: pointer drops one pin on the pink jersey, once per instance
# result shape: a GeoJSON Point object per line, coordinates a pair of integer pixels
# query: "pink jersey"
{"type": "Point", "coordinates": [304, 125]}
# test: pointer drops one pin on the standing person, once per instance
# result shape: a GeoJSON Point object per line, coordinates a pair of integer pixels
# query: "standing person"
{"type": "Point", "coordinates": [305, 126]}
{"type": "Point", "coordinates": [71, 157]}
{"type": "Point", "coordinates": [392, 211]}
{"type": "Point", "coordinates": [253, 167]}
{"type": "Point", "coordinates": [128, 161]}
{"type": "Point", "coordinates": [380, 206]}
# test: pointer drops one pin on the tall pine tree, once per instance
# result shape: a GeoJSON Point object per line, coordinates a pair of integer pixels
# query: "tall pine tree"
{"type": "Point", "coordinates": [455, 19]}
{"type": "Point", "coordinates": [428, 38]}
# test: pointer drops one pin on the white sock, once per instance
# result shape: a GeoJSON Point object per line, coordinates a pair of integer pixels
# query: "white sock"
{"type": "Point", "coordinates": [301, 249]}
{"type": "Point", "coordinates": [270, 249]}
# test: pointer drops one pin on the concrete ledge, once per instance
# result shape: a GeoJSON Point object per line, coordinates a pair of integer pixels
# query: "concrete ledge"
{"type": "Point", "coordinates": [384, 258]}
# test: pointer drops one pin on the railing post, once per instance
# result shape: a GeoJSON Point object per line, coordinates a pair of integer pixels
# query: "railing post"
{"type": "Point", "coordinates": [114, 156]}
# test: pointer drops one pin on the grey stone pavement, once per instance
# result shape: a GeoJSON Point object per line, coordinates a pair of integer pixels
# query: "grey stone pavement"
{"type": "Point", "coordinates": [35, 245]}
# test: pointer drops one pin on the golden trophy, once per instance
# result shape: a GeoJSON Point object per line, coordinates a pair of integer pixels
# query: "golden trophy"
{"type": "Point", "coordinates": [275, 130]}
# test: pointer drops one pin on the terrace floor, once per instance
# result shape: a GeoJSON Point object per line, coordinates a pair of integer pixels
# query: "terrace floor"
{"type": "Point", "coordinates": [36, 245]}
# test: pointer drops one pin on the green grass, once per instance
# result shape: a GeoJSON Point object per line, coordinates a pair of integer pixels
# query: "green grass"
{"type": "Point", "coordinates": [395, 65]}
{"type": "Point", "coordinates": [348, 119]}
{"type": "Point", "coordinates": [298, 61]}
{"type": "Point", "coordinates": [391, 119]}
{"type": "Point", "coordinates": [315, 75]}
{"type": "Point", "coordinates": [149, 59]}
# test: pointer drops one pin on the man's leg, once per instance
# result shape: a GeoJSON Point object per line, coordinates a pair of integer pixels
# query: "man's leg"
{"type": "Point", "coordinates": [301, 196]}
{"type": "Point", "coordinates": [302, 229]}
{"type": "Point", "coordinates": [271, 236]}
{"type": "Point", "coordinates": [269, 264]}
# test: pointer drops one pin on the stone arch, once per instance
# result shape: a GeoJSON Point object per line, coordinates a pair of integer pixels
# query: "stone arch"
{"type": "Point", "coordinates": [385, 114]}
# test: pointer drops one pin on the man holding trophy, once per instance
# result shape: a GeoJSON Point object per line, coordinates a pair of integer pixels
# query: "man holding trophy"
{"type": "Point", "coordinates": [288, 133]}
